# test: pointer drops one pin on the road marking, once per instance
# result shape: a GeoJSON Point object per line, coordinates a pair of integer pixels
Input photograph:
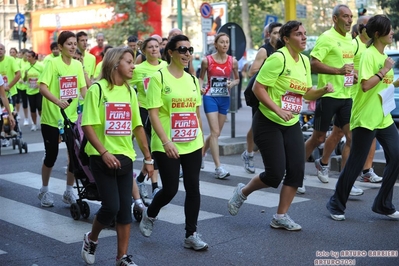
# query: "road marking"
{"type": "Point", "coordinates": [41, 221]}
{"type": "Point", "coordinates": [32, 147]}
{"type": "Point", "coordinates": [2, 252]}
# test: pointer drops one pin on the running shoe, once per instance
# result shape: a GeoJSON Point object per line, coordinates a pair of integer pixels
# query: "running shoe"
{"type": "Point", "coordinates": [249, 165]}
{"type": "Point", "coordinates": [356, 191]}
{"type": "Point", "coordinates": [195, 242]}
{"type": "Point", "coordinates": [371, 177]}
{"type": "Point", "coordinates": [221, 173]}
{"type": "Point", "coordinates": [322, 171]}
{"type": "Point", "coordinates": [46, 199]}
{"type": "Point", "coordinates": [236, 200]}
{"type": "Point", "coordinates": [126, 260]}
{"type": "Point", "coordinates": [142, 189]}
{"type": "Point", "coordinates": [286, 223]}
{"type": "Point", "coordinates": [88, 249]}
{"type": "Point", "coordinates": [69, 197]}
{"type": "Point", "coordinates": [146, 224]}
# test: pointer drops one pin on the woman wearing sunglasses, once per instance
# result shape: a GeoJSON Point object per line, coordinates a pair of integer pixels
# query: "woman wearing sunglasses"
{"type": "Point", "coordinates": [372, 119]}
{"type": "Point", "coordinates": [141, 78]}
{"type": "Point", "coordinates": [173, 100]}
{"type": "Point", "coordinates": [219, 67]}
{"type": "Point", "coordinates": [282, 82]}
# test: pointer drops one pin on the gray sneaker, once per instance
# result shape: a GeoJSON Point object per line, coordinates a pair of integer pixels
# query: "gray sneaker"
{"type": "Point", "coordinates": [221, 173]}
{"type": "Point", "coordinates": [69, 197]}
{"type": "Point", "coordinates": [46, 199]}
{"type": "Point", "coordinates": [146, 224]}
{"type": "Point", "coordinates": [236, 200]}
{"type": "Point", "coordinates": [371, 177]}
{"type": "Point", "coordinates": [286, 223]}
{"type": "Point", "coordinates": [142, 189]}
{"type": "Point", "coordinates": [322, 171]}
{"type": "Point", "coordinates": [195, 242]}
{"type": "Point", "coordinates": [249, 164]}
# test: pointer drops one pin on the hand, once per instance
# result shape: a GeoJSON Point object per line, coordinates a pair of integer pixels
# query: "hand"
{"type": "Point", "coordinates": [63, 104]}
{"type": "Point", "coordinates": [328, 88]}
{"type": "Point", "coordinates": [111, 161]}
{"type": "Point", "coordinates": [230, 84]}
{"type": "Point", "coordinates": [355, 78]}
{"type": "Point", "coordinates": [171, 150]}
{"type": "Point", "coordinates": [388, 64]}
{"type": "Point", "coordinates": [285, 115]}
{"type": "Point", "coordinates": [148, 169]}
{"type": "Point", "coordinates": [6, 87]}
{"type": "Point", "coordinates": [346, 69]}
{"type": "Point", "coordinates": [203, 91]}
{"type": "Point", "coordinates": [12, 121]}
{"type": "Point", "coordinates": [396, 83]}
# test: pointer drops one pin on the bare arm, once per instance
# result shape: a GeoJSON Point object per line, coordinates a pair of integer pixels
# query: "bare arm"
{"type": "Point", "coordinates": [314, 94]}
{"type": "Point", "coordinates": [49, 96]}
{"type": "Point", "coordinates": [319, 68]}
{"type": "Point", "coordinates": [143, 144]}
{"type": "Point", "coordinates": [204, 67]}
{"type": "Point", "coordinates": [170, 148]}
{"type": "Point", "coordinates": [14, 81]}
{"type": "Point", "coordinates": [374, 80]}
{"type": "Point", "coordinates": [6, 104]}
{"type": "Point", "coordinates": [260, 57]}
{"type": "Point", "coordinates": [236, 80]}
{"type": "Point", "coordinates": [191, 69]}
{"type": "Point", "coordinates": [139, 59]}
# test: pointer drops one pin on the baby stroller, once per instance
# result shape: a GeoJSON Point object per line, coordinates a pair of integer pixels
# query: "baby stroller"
{"type": "Point", "coordinates": [85, 185]}
{"type": "Point", "coordinates": [11, 136]}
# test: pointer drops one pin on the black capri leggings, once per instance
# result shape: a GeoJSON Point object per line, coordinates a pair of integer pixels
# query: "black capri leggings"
{"type": "Point", "coordinates": [51, 136]}
{"type": "Point", "coordinates": [145, 120]}
{"type": "Point", "coordinates": [35, 102]}
{"type": "Point", "coordinates": [21, 96]}
{"type": "Point", "coordinates": [282, 149]}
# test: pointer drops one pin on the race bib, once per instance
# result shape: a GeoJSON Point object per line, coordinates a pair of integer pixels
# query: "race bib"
{"type": "Point", "coordinates": [5, 79]}
{"type": "Point", "coordinates": [348, 79]}
{"type": "Point", "coordinates": [68, 87]}
{"type": "Point", "coordinates": [32, 83]}
{"type": "Point", "coordinates": [184, 127]}
{"type": "Point", "coordinates": [291, 102]}
{"type": "Point", "coordinates": [219, 87]}
{"type": "Point", "coordinates": [145, 83]}
{"type": "Point", "coordinates": [118, 119]}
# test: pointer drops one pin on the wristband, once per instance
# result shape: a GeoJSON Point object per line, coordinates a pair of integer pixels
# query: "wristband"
{"type": "Point", "coordinates": [148, 162]}
{"type": "Point", "coordinates": [378, 76]}
{"type": "Point", "coordinates": [103, 153]}
{"type": "Point", "coordinates": [163, 144]}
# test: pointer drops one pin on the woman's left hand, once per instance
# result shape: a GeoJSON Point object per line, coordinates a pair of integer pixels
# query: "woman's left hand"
{"type": "Point", "coordinates": [148, 169]}
{"type": "Point", "coordinates": [230, 84]}
{"type": "Point", "coordinates": [171, 150]}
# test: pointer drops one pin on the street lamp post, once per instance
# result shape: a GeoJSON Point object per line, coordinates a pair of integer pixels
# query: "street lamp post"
{"type": "Point", "coordinates": [19, 30]}
{"type": "Point", "coordinates": [179, 15]}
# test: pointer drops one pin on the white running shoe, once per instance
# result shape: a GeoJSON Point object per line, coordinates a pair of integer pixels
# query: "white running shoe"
{"type": "Point", "coordinates": [356, 191]}
{"type": "Point", "coordinates": [33, 128]}
{"type": "Point", "coordinates": [195, 242]}
{"type": "Point", "coordinates": [221, 173]}
{"type": "Point", "coordinates": [371, 177]}
{"type": "Point", "coordinates": [322, 171]}
{"type": "Point", "coordinates": [249, 164]}
{"type": "Point", "coordinates": [26, 122]}
{"type": "Point", "coordinates": [68, 197]}
{"type": "Point", "coordinates": [46, 199]}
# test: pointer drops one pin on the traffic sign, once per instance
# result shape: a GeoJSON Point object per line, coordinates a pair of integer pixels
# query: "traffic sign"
{"type": "Point", "coordinates": [270, 19]}
{"type": "Point", "coordinates": [206, 24]}
{"type": "Point", "coordinates": [206, 10]}
{"type": "Point", "coordinates": [237, 39]}
{"type": "Point", "coordinates": [19, 19]}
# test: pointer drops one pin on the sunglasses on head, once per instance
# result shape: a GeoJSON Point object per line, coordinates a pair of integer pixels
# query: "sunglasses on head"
{"type": "Point", "coordinates": [184, 49]}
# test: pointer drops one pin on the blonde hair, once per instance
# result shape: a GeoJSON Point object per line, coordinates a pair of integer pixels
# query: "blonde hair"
{"type": "Point", "coordinates": [110, 63]}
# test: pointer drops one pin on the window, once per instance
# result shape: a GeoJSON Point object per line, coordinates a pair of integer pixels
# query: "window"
{"type": "Point", "coordinates": [172, 3]}
{"type": "Point", "coordinates": [12, 25]}
{"type": "Point", "coordinates": [12, 2]}
{"type": "Point", "coordinates": [48, 2]}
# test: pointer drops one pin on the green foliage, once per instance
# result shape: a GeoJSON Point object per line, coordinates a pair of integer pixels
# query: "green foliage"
{"type": "Point", "coordinates": [391, 7]}
{"type": "Point", "coordinates": [132, 24]}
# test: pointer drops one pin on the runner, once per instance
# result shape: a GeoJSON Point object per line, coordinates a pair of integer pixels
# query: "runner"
{"type": "Point", "coordinates": [173, 100]}
{"type": "Point", "coordinates": [141, 77]}
{"type": "Point", "coordinates": [219, 67]}
{"type": "Point", "coordinates": [109, 103]}
{"type": "Point", "coordinates": [61, 80]}
{"type": "Point", "coordinates": [31, 74]}
{"type": "Point", "coordinates": [332, 59]}
{"type": "Point", "coordinates": [280, 85]}
{"type": "Point", "coordinates": [371, 119]}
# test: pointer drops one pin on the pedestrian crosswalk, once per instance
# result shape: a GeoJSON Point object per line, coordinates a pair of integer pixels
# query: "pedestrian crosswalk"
{"type": "Point", "coordinates": [66, 230]}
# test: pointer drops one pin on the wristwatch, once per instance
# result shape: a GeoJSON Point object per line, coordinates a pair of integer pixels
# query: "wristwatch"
{"type": "Point", "coordinates": [148, 162]}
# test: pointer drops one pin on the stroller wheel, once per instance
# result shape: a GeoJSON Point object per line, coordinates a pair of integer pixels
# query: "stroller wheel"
{"type": "Point", "coordinates": [85, 210]}
{"type": "Point", "coordinates": [20, 146]}
{"type": "Point", "coordinates": [25, 147]}
{"type": "Point", "coordinates": [75, 211]}
{"type": "Point", "coordinates": [14, 143]}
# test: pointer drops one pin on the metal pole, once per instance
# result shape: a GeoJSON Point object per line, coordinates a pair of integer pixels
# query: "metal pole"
{"type": "Point", "coordinates": [179, 15]}
{"type": "Point", "coordinates": [19, 30]}
{"type": "Point", "coordinates": [233, 102]}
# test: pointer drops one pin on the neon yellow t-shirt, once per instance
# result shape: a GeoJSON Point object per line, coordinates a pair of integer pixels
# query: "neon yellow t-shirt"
{"type": "Point", "coordinates": [295, 81]}
{"type": "Point", "coordinates": [177, 101]}
{"type": "Point", "coordinates": [48, 58]}
{"type": "Point", "coordinates": [367, 106]}
{"type": "Point", "coordinates": [94, 114]}
{"type": "Point", "coordinates": [141, 77]}
{"type": "Point", "coordinates": [98, 70]}
{"type": "Point", "coordinates": [32, 77]}
{"type": "Point", "coordinates": [22, 66]}
{"type": "Point", "coordinates": [358, 48]}
{"type": "Point", "coordinates": [8, 68]}
{"type": "Point", "coordinates": [334, 50]}
{"type": "Point", "coordinates": [54, 73]}
{"type": "Point", "coordinates": [89, 61]}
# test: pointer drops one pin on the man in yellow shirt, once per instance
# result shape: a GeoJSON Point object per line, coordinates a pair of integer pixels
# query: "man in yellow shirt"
{"type": "Point", "coordinates": [332, 58]}
{"type": "Point", "coordinates": [89, 60]}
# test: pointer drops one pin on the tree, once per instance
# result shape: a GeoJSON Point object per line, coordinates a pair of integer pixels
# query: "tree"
{"type": "Point", "coordinates": [391, 7]}
{"type": "Point", "coordinates": [129, 20]}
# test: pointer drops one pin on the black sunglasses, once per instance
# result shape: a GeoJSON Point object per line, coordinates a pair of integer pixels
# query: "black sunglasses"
{"type": "Point", "coordinates": [184, 49]}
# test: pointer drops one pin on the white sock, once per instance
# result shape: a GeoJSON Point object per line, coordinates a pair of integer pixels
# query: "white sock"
{"type": "Point", "coordinates": [69, 188]}
{"type": "Point", "coordinates": [279, 216]}
{"type": "Point", "coordinates": [138, 201]}
{"type": "Point", "coordinates": [250, 154]}
{"type": "Point", "coordinates": [44, 189]}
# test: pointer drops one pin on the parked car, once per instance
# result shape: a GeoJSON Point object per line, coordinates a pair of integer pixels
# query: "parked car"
{"type": "Point", "coordinates": [394, 54]}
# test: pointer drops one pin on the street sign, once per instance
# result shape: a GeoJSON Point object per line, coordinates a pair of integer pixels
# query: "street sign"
{"type": "Point", "coordinates": [206, 10]}
{"type": "Point", "coordinates": [206, 24]}
{"type": "Point", "coordinates": [237, 39]}
{"type": "Point", "coordinates": [270, 19]}
{"type": "Point", "coordinates": [19, 19]}
{"type": "Point", "coordinates": [300, 11]}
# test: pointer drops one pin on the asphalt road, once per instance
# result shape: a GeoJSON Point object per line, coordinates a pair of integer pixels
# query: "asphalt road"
{"type": "Point", "coordinates": [32, 235]}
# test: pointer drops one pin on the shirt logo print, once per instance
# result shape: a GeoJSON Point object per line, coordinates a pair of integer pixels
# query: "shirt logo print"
{"type": "Point", "coordinates": [221, 69]}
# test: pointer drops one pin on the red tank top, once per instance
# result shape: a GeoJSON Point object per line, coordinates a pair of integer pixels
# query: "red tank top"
{"type": "Point", "coordinates": [218, 74]}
